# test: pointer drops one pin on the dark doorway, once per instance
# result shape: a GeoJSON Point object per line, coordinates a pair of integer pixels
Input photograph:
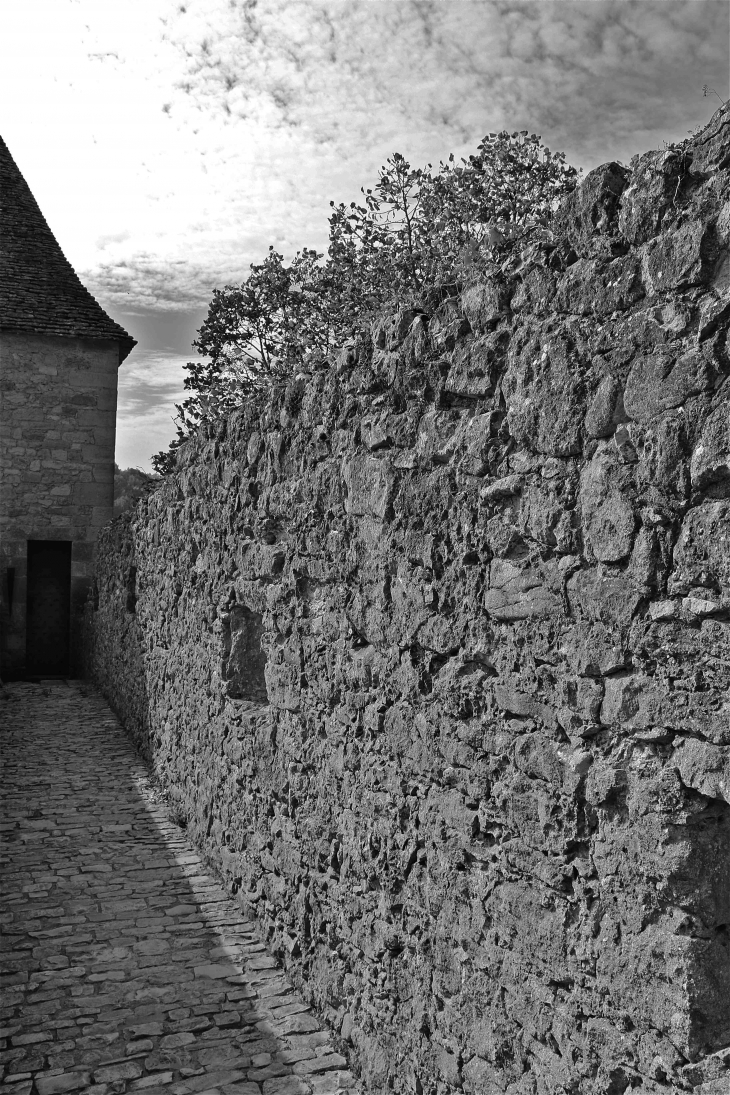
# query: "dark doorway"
{"type": "Point", "coordinates": [48, 622]}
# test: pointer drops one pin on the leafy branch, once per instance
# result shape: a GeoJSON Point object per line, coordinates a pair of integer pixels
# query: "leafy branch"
{"type": "Point", "coordinates": [415, 230]}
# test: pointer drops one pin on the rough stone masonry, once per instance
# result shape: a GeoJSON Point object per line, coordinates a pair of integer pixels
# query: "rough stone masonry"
{"type": "Point", "coordinates": [431, 651]}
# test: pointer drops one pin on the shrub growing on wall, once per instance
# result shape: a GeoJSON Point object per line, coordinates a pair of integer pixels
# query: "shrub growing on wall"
{"type": "Point", "coordinates": [417, 229]}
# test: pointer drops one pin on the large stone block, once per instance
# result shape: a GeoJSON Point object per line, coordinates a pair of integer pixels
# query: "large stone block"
{"type": "Point", "coordinates": [663, 380]}
{"type": "Point", "coordinates": [588, 217]}
{"type": "Point", "coordinates": [544, 388]}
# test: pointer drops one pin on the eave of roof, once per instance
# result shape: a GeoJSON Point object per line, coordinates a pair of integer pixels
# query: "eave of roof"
{"type": "Point", "coordinates": [39, 289]}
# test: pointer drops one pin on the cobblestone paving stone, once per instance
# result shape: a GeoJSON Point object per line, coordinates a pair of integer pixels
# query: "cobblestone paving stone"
{"type": "Point", "coordinates": [125, 966]}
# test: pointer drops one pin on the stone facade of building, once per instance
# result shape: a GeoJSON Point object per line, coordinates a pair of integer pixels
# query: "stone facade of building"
{"type": "Point", "coordinates": [59, 356]}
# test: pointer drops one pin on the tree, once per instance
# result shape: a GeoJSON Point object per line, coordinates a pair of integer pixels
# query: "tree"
{"type": "Point", "coordinates": [129, 485]}
{"type": "Point", "coordinates": [416, 230]}
{"type": "Point", "coordinates": [255, 334]}
{"type": "Point", "coordinates": [416, 226]}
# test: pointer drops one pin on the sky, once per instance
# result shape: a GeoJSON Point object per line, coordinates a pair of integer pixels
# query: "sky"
{"type": "Point", "coordinates": [169, 143]}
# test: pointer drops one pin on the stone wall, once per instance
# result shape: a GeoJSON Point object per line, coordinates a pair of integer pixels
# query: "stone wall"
{"type": "Point", "coordinates": [58, 400]}
{"type": "Point", "coordinates": [431, 652]}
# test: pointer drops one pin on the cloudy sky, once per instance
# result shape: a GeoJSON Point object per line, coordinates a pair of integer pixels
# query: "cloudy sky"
{"type": "Point", "coordinates": [170, 142]}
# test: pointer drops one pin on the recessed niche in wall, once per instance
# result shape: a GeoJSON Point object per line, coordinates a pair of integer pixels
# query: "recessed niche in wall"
{"type": "Point", "coordinates": [244, 660]}
{"type": "Point", "coordinates": [131, 588]}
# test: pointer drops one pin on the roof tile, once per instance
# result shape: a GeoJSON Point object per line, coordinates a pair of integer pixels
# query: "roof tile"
{"type": "Point", "coordinates": [39, 289]}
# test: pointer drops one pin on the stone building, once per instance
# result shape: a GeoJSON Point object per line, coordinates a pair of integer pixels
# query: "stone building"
{"type": "Point", "coordinates": [59, 356]}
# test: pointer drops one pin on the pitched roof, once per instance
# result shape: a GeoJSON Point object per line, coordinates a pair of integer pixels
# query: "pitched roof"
{"type": "Point", "coordinates": [39, 289]}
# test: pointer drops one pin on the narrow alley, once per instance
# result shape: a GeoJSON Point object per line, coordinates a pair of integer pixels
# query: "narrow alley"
{"type": "Point", "coordinates": [125, 966]}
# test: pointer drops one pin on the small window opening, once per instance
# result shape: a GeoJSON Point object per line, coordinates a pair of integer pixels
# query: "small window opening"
{"type": "Point", "coordinates": [244, 660]}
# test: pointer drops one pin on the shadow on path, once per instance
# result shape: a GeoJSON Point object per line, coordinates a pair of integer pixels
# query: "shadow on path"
{"type": "Point", "coordinates": [125, 966]}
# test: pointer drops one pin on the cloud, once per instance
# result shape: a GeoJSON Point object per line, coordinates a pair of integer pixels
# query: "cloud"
{"type": "Point", "coordinates": [272, 108]}
{"type": "Point", "coordinates": [112, 237]}
{"type": "Point", "coordinates": [148, 281]}
{"type": "Point", "coordinates": [151, 380]}
{"type": "Point", "coordinates": [171, 331]}
{"type": "Point", "coordinates": [150, 384]}
{"type": "Point", "coordinates": [360, 74]}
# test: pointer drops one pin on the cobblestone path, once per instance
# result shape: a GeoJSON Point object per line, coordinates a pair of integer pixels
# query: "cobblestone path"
{"type": "Point", "coordinates": [126, 968]}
